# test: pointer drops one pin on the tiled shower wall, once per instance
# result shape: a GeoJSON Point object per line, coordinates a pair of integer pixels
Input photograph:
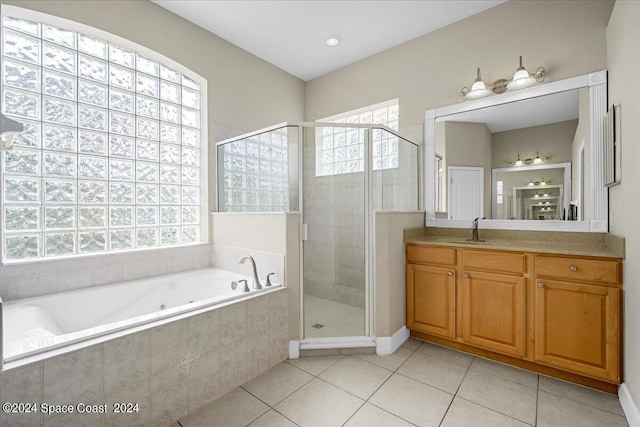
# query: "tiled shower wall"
{"type": "Point", "coordinates": [52, 276]}
{"type": "Point", "coordinates": [169, 370]}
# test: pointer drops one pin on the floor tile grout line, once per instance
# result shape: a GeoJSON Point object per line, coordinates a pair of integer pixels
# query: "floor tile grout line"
{"type": "Point", "coordinates": [253, 420]}
{"type": "Point", "coordinates": [389, 412]}
{"type": "Point", "coordinates": [494, 410]}
{"type": "Point", "coordinates": [486, 407]}
{"type": "Point", "coordinates": [577, 401]}
{"type": "Point", "coordinates": [455, 394]}
{"type": "Point", "coordinates": [537, 401]}
{"type": "Point", "coordinates": [354, 413]}
{"type": "Point", "coordinates": [584, 404]}
{"type": "Point", "coordinates": [284, 416]}
{"type": "Point", "coordinates": [284, 398]}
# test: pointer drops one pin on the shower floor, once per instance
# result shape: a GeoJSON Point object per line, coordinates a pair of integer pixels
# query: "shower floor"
{"type": "Point", "coordinates": [337, 320]}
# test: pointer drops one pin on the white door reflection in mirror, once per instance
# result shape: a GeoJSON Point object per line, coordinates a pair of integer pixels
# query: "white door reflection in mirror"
{"type": "Point", "coordinates": [466, 192]}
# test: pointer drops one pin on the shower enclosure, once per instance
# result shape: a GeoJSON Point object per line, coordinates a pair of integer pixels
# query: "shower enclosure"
{"type": "Point", "coordinates": [337, 176]}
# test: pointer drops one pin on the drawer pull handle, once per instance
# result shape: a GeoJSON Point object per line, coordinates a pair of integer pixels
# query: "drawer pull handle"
{"type": "Point", "coordinates": [466, 275]}
{"type": "Point", "coordinates": [450, 273]}
{"type": "Point", "coordinates": [573, 268]}
{"type": "Point", "coordinates": [541, 285]}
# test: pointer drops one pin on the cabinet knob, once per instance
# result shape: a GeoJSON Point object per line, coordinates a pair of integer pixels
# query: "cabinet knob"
{"type": "Point", "coordinates": [450, 273]}
{"type": "Point", "coordinates": [466, 275]}
{"type": "Point", "coordinates": [541, 285]}
{"type": "Point", "coordinates": [573, 268]}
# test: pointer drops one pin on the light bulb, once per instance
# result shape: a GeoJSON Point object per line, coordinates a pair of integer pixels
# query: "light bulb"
{"type": "Point", "coordinates": [521, 79]}
{"type": "Point", "coordinates": [518, 161]}
{"type": "Point", "coordinates": [537, 160]}
{"type": "Point", "coordinates": [478, 89]}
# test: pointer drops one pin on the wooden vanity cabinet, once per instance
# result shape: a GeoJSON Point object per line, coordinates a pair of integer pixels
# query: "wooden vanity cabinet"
{"type": "Point", "coordinates": [493, 312]}
{"type": "Point", "coordinates": [577, 315]}
{"type": "Point", "coordinates": [493, 300]}
{"type": "Point", "coordinates": [556, 314]}
{"type": "Point", "coordinates": [431, 290]}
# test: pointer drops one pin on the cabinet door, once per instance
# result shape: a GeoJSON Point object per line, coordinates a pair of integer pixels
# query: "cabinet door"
{"type": "Point", "coordinates": [578, 328]}
{"type": "Point", "coordinates": [431, 300]}
{"type": "Point", "coordinates": [493, 312]}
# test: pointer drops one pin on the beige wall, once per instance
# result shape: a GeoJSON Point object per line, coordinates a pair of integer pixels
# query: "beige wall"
{"type": "Point", "coordinates": [623, 35]}
{"type": "Point", "coordinates": [566, 37]}
{"type": "Point", "coordinates": [552, 141]}
{"type": "Point", "coordinates": [469, 144]}
{"type": "Point", "coordinates": [390, 306]}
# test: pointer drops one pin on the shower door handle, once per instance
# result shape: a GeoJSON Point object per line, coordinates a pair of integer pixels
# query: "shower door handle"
{"type": "Point", "coordinates": [305, 236]}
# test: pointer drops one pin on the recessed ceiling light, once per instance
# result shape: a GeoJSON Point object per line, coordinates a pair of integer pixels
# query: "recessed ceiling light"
{"type": "Point", "coordinates": [333, 40]}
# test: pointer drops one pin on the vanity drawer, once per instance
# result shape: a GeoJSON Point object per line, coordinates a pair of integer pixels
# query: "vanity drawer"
{"type": "Point", "coordinates": [512, 262]}
{"type": "Point", "coordinates": [578, 269]}
{"type": "Point", "coordinates": [431, 255]}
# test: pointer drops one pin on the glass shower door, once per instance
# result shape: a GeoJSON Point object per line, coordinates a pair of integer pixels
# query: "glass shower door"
{"type": "Point", "coordinates": [334, 267]}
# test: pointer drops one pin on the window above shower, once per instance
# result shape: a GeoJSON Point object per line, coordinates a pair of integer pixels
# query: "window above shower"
{"type": "Point", "coordinates": [113, 156]}
{"type": "Point", "coordinates": [340, 150]}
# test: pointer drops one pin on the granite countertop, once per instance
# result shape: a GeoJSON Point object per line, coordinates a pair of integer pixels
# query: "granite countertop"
{"type": "Point", "coordinates": [582, 245]}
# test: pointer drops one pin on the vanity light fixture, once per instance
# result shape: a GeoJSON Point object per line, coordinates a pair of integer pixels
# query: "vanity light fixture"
{"type": "Point", "coordinates": [518, 161]}
{"type": "Point", "coordinates": [521, 79]}
{"type": "Point", "coordinates": [333, 40]}
{"type": "Point", "coordinates": [8, 130]}
{"type": "Point", "coordinates": [537, 160]}
{"type": "Point", "coordinates": [479, 89]}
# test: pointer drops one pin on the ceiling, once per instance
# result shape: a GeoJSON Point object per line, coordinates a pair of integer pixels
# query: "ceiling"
{"type": "Point", "coordinates": [543, 110]}
{"type": "Point", "coordinates": [291, 34]}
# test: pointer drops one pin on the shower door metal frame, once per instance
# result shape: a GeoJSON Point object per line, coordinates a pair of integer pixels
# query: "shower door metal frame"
{"type": "Point", "coordinates": [369, 333]}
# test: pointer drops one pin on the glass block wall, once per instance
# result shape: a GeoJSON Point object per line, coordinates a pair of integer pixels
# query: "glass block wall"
{"type": "Point", "coordinates": [110, 156]}
{"type": "Point", "coordinates": [258, 173]}
{"type": "Point", "coordinates": [341, 150]}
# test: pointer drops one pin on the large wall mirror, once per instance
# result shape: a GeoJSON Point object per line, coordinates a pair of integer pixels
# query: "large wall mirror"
{"type": "Point", "coordinates": [529, 159]}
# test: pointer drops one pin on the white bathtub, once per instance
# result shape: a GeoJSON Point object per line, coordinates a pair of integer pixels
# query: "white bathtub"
{"type": "Point", "coordinates": [39, 324]}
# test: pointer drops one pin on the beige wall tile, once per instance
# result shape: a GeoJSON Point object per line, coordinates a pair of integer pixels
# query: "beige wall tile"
{"type": "Point", "coordinates": [74, 377]}
{"type": "Point", "coordinates": [21, 385]}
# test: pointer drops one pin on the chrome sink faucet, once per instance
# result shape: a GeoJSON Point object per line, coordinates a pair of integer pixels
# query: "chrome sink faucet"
{"type": "Point", "coordinates": [474, 231]}
{"type": "Point", "coordinates": [256, 280]}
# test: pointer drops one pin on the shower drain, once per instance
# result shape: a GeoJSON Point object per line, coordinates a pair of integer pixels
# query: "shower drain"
{"type": "Point", "coordinates": [317, 326]}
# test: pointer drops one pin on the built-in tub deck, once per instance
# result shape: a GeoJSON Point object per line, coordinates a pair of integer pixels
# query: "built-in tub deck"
{"type": "Point", "coordinates": [40, 324]}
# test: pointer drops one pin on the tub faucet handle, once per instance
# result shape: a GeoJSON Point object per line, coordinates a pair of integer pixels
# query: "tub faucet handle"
{"type": "Point", "coordinates": [246, 285]}
{"type": "Point", "coordinates": [269, 279]}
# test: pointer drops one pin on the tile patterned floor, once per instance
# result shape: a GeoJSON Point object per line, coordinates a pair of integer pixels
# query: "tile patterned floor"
{"type": "Point", "coordinates": [421, 384]}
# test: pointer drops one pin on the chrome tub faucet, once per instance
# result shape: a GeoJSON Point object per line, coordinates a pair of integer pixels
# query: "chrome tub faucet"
{"type": "Point", "coordinates": [256, 280]}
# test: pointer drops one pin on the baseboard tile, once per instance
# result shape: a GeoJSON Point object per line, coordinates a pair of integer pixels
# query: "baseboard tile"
{"type": "Point", "coordinates": [630, 407]}
{"type": "Point", "coordinates": [294, 349]}
{"type": "Point", "coordinates": [388, 345]}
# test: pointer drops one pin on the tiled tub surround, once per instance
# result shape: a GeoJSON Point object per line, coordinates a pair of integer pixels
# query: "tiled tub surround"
{"type": "Point", "coordinates": [53, 276]}
{"type": "Point", "coordinates": [169, 370]}
{"type": "Point", "coordinates": [38, 324]}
